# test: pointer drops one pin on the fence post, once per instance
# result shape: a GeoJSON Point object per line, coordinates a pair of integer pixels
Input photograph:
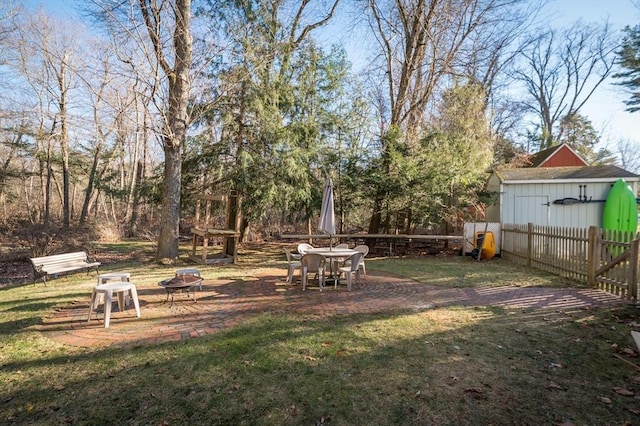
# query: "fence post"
{"type": "Point", "coordinates": [529, 242]}
{"type": "Point", "coordinates": [633, 268]}
{"type": "Point", "coordinates": [592, 264]}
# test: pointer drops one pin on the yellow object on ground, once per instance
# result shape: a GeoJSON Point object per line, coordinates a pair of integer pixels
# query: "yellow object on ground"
{"type": "Point", "coordinates": [485, 242]}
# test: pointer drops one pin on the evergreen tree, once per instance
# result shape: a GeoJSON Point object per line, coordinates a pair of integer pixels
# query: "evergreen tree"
{"type": "Point", "coordinates": [275, 111]}
{"type": "Point", "coordinates": [629, 60]}
{"type": "Point", "coordinates": [577, 131]}
{"type": "Point", "coordinates": [460, 149]}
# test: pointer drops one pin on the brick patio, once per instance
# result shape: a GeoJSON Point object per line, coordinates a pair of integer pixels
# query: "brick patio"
{"type": "Point", "coordinates": [222, 304]}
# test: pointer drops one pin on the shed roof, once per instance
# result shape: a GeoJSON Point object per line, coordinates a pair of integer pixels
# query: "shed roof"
{"type": "Point", "coordinates": [566, 173]}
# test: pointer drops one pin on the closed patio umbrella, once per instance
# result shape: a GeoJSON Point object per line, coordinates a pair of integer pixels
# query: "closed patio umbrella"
{"type": "Point", "coordinates": [327, 223]}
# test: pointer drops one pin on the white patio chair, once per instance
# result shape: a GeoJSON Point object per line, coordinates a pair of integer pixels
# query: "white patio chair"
{"type": "Point", "coordinates": [364, 249]}
{"type": "Point", "coordinates": [313, 264]}
{"type": "Point", "coordinates": [190, 271]}
{"type": "Point", "coordinates": [351, 269]}
{"type": "Point", "coordinates": [292, 266]}
{"type": "Point", "coordinates": [303, 247]}
{"type": "Point", "coordinates": [340, 261]}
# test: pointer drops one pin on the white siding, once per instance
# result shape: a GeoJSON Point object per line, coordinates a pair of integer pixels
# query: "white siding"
{"type": "Point", "coordinates": [533, 202]}
{"type": "Point", "coordinates": [531, 208]}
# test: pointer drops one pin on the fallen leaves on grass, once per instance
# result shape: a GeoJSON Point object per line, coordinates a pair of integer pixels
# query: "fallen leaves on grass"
{"type": "Point", "coordinates": [623, 391]}
{"type": "Point", "coordinates": [475, 393]}
{"type": "Point", "coordinates": [554, 386]}
{"type": "Point", "coordinates": [629, 352]}
{"type": "Point", "coordinates": [323, 420]}
{"type": "Point", "coordinates": [605, 399]}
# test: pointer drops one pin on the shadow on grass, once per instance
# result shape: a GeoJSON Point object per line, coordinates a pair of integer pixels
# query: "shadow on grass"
{"type": "Point", "coordinates": [38, 303]}
{"type": "Point", "coordinates": [440, 366]}
{"type": "Point", "coordinates": [426, 365]}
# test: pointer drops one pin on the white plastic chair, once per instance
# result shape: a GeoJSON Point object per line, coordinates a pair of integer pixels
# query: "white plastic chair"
{"type": "Point", "coordinates": [352, 268]}
{"type": "Point", "coordinates": [293, 265]}
{"type": "Point", "coordinates": [303, 247]}
{"type": "Point", "coordinates": [340, 261]}
{"type": "Point", "coordinates": [190, 271]}
{"type": "Point", "coordinates": [313, 264]}
{"type": "Point", "coordinates": [364, 249]}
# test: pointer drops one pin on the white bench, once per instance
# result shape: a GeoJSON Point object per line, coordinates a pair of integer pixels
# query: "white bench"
{"type": "Point", "coordinates": [55, 264]}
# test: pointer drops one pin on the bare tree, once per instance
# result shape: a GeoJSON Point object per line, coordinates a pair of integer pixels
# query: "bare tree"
{"type": "Point", "coordinates": [562, 70]}
{"type": "Point", "coordinates": [628, 154]}
{"type": "Point", "coordinates": [161, 33]}
{"type": "Point", "coordinates": [46, 58]}
{"type": "Point", "coordinates": [177, 116]}
{"type": "Point", "coordinates": [98, 85]}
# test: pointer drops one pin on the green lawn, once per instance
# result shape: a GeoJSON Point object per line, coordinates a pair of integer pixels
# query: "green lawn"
{"type": "Point", "coordinates": [441, 366]}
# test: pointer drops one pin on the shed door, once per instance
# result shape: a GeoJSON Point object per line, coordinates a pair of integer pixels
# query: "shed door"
{"type": "Point", "coordinates": [532, 208]}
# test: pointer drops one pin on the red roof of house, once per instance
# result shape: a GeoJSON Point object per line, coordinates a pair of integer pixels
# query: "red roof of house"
{"type": "Point", "coordinates": [557, 156]}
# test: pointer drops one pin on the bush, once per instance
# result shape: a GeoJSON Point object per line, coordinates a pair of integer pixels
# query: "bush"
{"type": "Point", "coordinates": [43, 240]}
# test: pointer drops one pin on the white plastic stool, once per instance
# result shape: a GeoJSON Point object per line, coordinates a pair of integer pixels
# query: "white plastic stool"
{"type": "Point", "coordinates": [112, 276]}
{"type": "Point", "coordinates": [189, 271]}
{"type": "Point", "coordinates": [120, 288]}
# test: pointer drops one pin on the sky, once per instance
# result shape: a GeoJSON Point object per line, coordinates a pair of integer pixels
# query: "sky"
{"type": "Point", "coordinates": [605, 109]}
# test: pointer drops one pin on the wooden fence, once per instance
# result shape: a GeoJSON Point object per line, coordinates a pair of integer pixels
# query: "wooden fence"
{"type": "Point", "coordinates": [608, 260]}
{"type": "Point", "coordinates": [381, 244]}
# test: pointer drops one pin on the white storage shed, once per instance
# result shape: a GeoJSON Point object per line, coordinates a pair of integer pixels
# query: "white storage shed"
{"type": "Point", "coordinates": [554, 196]}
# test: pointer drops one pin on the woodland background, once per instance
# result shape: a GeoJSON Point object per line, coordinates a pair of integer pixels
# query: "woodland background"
{"type": "Point", "coordinates": [113, 124]}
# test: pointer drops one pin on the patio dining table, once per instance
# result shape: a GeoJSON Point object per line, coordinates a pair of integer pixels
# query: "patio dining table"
{"type": "Point", "coordinates": [334, 255]}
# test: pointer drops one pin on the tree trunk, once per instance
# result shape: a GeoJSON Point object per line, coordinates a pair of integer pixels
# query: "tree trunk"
{"type": "Point", "coordinates": [170, 218]}
{"type": "Point", "coordinates": [47, 186]}
{"type": "Point", "coordinates": [409, 220]}
{"type": "Point", "coordinates": [376, 217]}
{"type": "Point", "coordinates": [132, 184]}
{"type": "Point", "coordinates": [90, 184]}
{"type": "Point", "coordinates": [233, 221]}
{"type": "Point", "coordinates": [64, 145]}
{"type": "Point", "coordinates": [176, 125]}
{"type": "Point", "coordinates": [140, 174]}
